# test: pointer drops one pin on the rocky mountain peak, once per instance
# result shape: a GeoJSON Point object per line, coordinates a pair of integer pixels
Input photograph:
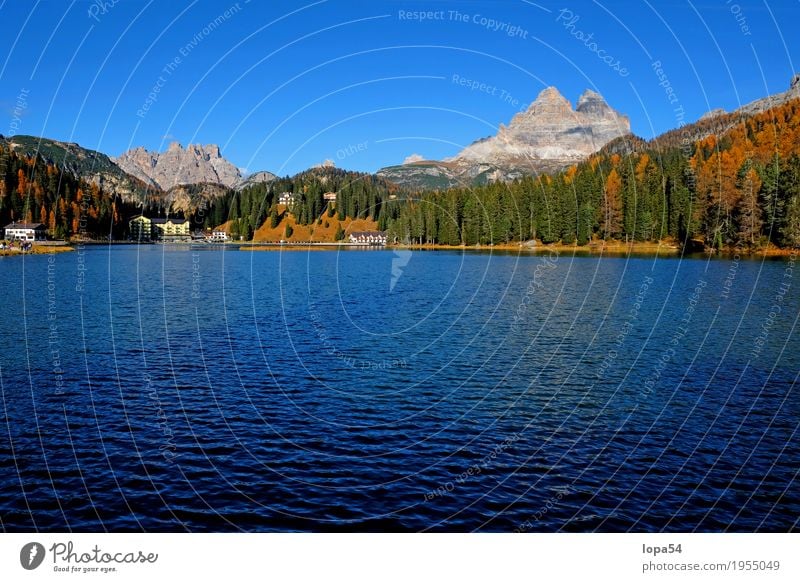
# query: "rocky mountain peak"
{"type": "Point", "coordinates": [592, 103]}
{"type": "Point", "coordinates": [549, 100]}
{"type": "Point", "coordinates": [194, 164]}
{"type": "Point", "coordinates": [590, 96]}
{"type": "Point", "coordinates": [550, 133]}
{"type": "Point", "coordinates": [547, 137]}
{"type": "Point", "coordinates": [550, 94]}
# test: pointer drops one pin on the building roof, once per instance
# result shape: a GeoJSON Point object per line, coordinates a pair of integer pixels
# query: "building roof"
{"type": "Point", "coordinates": [33, 225]}
{"type": "Point", "coordinates": [369, 233]}
{"type": "Point", "coordinates": [166, 220]}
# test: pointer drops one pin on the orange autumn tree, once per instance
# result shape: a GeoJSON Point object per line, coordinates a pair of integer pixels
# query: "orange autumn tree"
{"type": "Point", "coordinates": [749, 213]}
{"type": "Point", "coordinates": [22, 182]}
{"type": "Point", "coordinates": [718, 194]}
{"type": "Point", "coordinates": [76, 214]}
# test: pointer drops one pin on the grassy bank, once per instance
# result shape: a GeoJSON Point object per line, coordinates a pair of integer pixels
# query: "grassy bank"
{"type": "Point", "coordinates": [36, 250]}
{"type": "Point", "coordinates": [294, 246]}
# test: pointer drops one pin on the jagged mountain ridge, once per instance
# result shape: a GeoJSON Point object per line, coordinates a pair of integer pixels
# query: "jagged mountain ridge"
{"type": "Point", "coordinates": [762, 104]}
{"type": "Point", "coordinates": [550, 131]}
{"type": "Point", "coordinates": [547, 137]}
{"type": "Point", "coordinates": [195, 164]}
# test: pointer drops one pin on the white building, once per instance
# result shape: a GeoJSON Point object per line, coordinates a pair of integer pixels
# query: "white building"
{"type": "Point", "coordinates": [219, 236]}
{"type": "Point", "coordinates": [25, 231]}
{"type": "Point", "coordinates": [286, 198]}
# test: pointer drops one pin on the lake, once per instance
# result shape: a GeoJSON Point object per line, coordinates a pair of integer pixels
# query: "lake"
{"type": "Point", "coordinates": [166, 388]}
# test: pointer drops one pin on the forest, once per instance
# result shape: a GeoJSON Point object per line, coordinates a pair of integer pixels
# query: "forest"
{"type": "Point", "coordinates": [35, 190]}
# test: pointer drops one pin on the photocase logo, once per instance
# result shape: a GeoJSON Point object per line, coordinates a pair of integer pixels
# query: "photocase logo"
{"type": "Point", "coordinates": [31, 555]}
{"type": "Point", "coordinates": [399, 262]}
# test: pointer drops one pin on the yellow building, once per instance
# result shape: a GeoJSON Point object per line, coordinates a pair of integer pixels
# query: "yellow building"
{"type": "Point", "coordinates": [147, 229]}
{"type": "Point", "coordinates": [171, 227]}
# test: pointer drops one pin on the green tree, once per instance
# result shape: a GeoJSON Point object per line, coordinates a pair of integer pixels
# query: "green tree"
{"type": "Point", "coordinates": [586, 218]}
{"type": "Point", "coordinates": [274, 217]}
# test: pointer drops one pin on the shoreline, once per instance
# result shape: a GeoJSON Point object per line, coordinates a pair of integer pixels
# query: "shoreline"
{"type": "Point", "coordinates": [612, 249]}
{"type": "Point", "coordinates": [616, 249]}
{"type": "Point", "coordinates": [594, 249]}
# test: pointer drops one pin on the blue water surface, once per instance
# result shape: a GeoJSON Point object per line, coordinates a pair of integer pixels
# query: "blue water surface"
{"type": "Point", "coordinates": [168, 388]}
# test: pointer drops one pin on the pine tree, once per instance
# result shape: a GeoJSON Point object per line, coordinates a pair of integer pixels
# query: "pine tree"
{"type": "Point", "coordinates": [612, 206]}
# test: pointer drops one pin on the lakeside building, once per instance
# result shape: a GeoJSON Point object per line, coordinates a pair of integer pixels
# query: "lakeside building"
{"type": "Point", "coordinates": [25, 231]}
{"type": "Point", "coordinates": [369, 237]}
{"type": "Point", "coordinates": [171, 228]}
{"type": "Point", "coordinates": [143, 228]}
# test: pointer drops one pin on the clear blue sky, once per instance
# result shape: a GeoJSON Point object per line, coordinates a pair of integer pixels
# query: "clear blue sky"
{"type": "Point", "coordinates": [284, 85]}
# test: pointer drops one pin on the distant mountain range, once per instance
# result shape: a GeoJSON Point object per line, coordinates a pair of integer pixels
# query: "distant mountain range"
{"type": "Point", "coordinates": [180, 167]}
{"type": "Point", "coordinates": [549, 136]}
